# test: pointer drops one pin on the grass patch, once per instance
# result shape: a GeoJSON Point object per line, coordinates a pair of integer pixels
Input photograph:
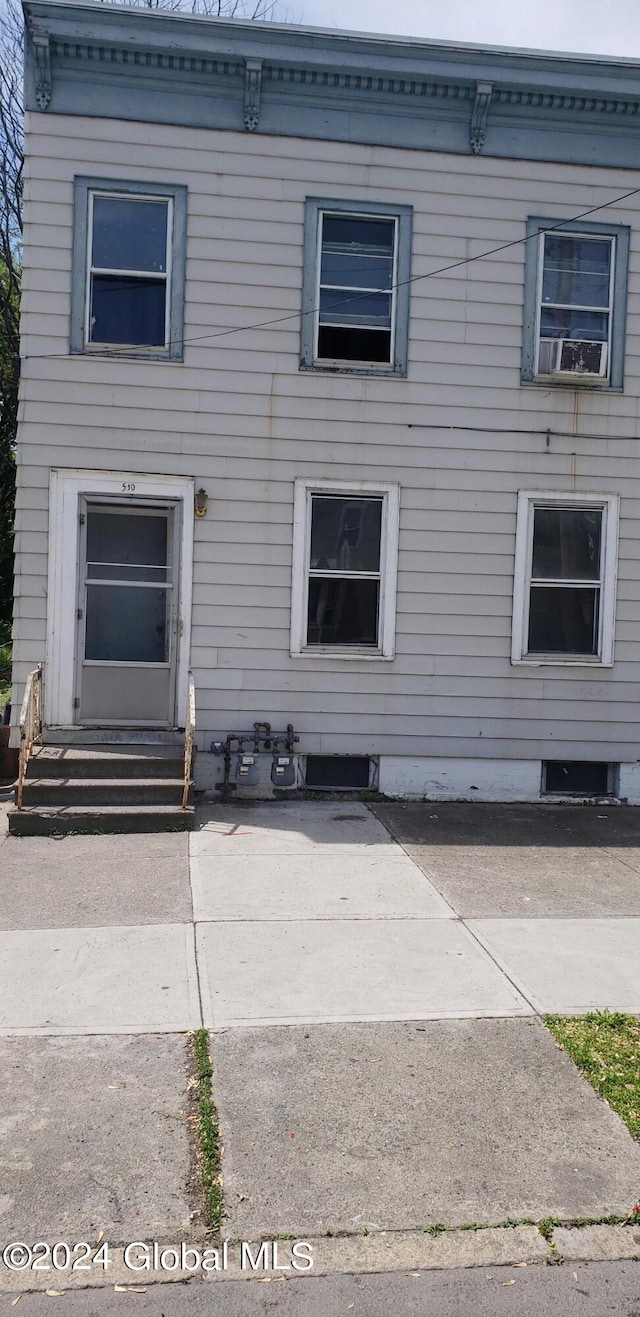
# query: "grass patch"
{"type": "Point", "coordinates": [606, 1048]}
{"type": "Point", "coordinates": [208, 1132]}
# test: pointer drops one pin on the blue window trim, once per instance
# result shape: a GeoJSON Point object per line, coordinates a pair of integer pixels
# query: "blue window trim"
{"type": "Point", "coordinates": [314, 207]}
{"type": "Point", "coordinates": [83, 186]}
{"type": "Point", "coordinates": [621, 234]}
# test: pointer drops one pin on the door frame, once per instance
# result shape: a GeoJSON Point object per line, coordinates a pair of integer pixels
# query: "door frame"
{"type": "Point", "coordinates": [66, 486]}
{"type": "Point", "coordinates": [174, 512]}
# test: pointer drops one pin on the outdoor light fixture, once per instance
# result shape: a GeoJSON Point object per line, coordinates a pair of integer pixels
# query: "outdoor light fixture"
{"type": "Point", "coordinates": [202, 499]}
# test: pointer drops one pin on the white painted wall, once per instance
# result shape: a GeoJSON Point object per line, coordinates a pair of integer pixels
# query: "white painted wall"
{"type": "Point", "coordinates": [242, 420]}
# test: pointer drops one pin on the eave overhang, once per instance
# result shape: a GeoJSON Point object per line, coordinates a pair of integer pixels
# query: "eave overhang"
{"type": "Point", "coordinates": [158, 66]}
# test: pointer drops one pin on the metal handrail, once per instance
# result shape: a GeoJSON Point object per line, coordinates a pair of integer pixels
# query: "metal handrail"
{"type": "Point", "coordinates": [30, 725]}
{"type": "Point", "coordinates": [189, 734]}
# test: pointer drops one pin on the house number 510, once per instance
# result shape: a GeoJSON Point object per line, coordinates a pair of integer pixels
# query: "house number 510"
{"type": "Point", "coordinates": [128, 487]}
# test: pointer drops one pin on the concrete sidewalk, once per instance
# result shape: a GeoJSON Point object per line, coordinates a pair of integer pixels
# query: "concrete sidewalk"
{"type": "Point", "coordinates": [378, 1063]}
{"type": "Point", "coordinates": [310, 912]}
{"type": "Point", "coordinates": [307, 912]}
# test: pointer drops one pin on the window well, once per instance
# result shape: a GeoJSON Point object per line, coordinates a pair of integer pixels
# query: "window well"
{"type": "Point", "coordinates": [562, 777]}
{"type": "Point", "coordinates": [338, 772]}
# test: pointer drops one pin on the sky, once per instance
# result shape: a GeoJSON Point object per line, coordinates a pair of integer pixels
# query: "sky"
{"type": "Point", "coordinates": [607, 27]}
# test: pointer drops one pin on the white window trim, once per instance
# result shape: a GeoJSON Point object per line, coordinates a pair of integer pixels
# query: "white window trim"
{"type": "Point", "coordinates": [527, 501]}
{"type": "Point", "coordinates": [98, 345]}
{"type": "Point", "coordinates": [390, 493]}
{"type": "Point", "coordinates": [584, 237]}
{"type": "Point", "coordinates": [323, 213]}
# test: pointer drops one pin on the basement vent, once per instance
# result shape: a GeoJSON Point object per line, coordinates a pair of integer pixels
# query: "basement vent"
{"type": "Point", "coordinates": [338, 772]}
{"type": "Point", "coordinates": [578, 778]}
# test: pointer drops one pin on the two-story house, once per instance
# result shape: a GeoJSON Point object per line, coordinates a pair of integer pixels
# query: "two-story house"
{"type": "Point", "coordinates": [330, 396]}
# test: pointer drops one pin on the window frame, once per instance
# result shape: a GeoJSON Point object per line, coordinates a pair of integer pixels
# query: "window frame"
{"type": "Point", "coordinates": [85, 189]}
{"type": "Point", "coordinates": [315, 209]}
{"type": "Point", "coordinates": [389, 493]}
{"type": "Point", "coordinates": [528, 501]}
{"type": "Point", "coordinates": [619, 234]}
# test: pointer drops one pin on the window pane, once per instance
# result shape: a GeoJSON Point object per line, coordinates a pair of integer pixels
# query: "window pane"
{"type": "Point", "coordinates": [355, 234]}
{"type": "Point", "coordinates": [337, 307]}
{"type": "Point", "coordinates": [129, 235]}
{"type": "Point", "coordinates": [107, 571]}
{"type": "Point", "coordinates": [345, 534]}
{"type": "Point", "coordinates": [343, 612]}
{"type": "Point", "coordinates": [123, 537]}
{"type": "Point", "coordinates": [593, 325]}
{"type": "Point", "coordinates": [126, 624]}
{"type": "Point", "coordinates": [127, 310]}
{"type": "Point", "coordinates": [576, 271]}
{"type": "Point", "coordinates": [566, 543]}
{"type": "Point", "coordinates": [361, 268]}
{"type": "Point", "coordinates": [563, 620]}
{"type": "Point", "coordinates": [336, 344]}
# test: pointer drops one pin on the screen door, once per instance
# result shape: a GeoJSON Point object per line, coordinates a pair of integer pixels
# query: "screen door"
{"type": "Point", "coordinates": [127, 614]}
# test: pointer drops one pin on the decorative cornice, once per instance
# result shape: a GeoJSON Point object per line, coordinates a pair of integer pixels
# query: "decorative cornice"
{"type": "Point", "coordinates": [42, 56]}
{"type": "Point", "coordinates": [256, 73]}
{"type": "Point", "coordinates": [478, 127]}
{"type": "Point", "coordinates": [154, 66]}
{"type": "Point", "coordinates": [253, 79]}
{"type": "Point", "coordinates": [148, 59]}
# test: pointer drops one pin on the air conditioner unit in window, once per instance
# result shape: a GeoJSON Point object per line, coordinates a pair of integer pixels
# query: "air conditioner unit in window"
{"type": "Point", "coordinates": [573, 356]}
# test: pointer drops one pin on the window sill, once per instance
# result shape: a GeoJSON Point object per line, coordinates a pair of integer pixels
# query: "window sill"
{"type": "Point", "coordinates": [587, 385]}
{"type": "Point", "coordinates": [357, 368]}
{"type": "Point", "coordinates": [557, 661]}
{"type": "Point", "coordinates": [125, 353]}
{"type": "Point", "coordinates": [360, 655]}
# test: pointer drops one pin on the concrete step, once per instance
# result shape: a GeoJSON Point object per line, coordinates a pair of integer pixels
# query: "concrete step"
{"type": "Point", "coordinates": [112, 736]}
{"type": "Point", "coordinates": [108, 761]}
{"type": "Point", "coordinates": [98, 791]}
{"type": "Point", "coordinates": [42, 821]}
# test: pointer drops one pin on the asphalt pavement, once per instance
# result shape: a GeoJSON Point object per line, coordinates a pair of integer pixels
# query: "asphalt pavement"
{"type": "Point", "coordinates": [596, 1289]}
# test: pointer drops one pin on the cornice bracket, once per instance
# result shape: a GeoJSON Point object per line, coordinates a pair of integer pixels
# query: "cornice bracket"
{"type": "Point", "coordinates": [478, 125]}
{"type": "Point", "coordinates": [42, 58]}
{"type": "Point", "coordinates": [252, 85]}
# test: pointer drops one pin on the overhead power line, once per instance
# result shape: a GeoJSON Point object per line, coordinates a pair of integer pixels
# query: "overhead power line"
{"type": "Point", "coordinates": [349, 301]}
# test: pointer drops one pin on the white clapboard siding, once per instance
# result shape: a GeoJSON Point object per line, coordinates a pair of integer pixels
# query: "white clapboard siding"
{"type": "Point", "coordinates": [241, 418]}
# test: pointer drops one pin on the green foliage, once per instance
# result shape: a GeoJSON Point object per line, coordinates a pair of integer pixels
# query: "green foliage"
{"type": "Point", "coordinates": [208, 1132]}
{"type": "Point", "coordinates": [11, 171]}
{"type": "Point", "coordinates": [5, 664]}
{"type": "Point", "coordinates": [606, 1047]}
{"type": "Point", "coordinates": [9, 380]}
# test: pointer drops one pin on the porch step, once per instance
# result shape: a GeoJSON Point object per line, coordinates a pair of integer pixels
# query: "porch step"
{"type": "Point", "coordinates": [112, 736]}
{"type": "Point", "coordinates": [107, 761]}
{"type": "Point", "coordinates": [98, 791]}
{"type": "Point", "coordinates": [103, 788]}
{"type": "Point", "coordinates": [34, 821]}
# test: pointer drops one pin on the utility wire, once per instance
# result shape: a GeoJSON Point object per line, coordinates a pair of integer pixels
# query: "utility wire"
{"type": "Point", "coordinates": [417, 278]}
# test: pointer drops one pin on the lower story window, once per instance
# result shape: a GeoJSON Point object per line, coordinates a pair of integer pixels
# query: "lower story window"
{"type": "Point", "coordinates": [345, 553]}
{"type": "Point", "coordinates": [564, 589]}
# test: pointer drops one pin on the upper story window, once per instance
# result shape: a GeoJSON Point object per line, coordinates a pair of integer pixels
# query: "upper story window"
{"type": "Point", "coordinates": [129, 257]}
{"type": "Point", "coordinates": [128, 271]}
{"type": "Point", "coordinates": [575, 304]}
{"type": "Point", "coordinates": [356, 287]}
{"type": "Point", "coordinates": [564, 588]}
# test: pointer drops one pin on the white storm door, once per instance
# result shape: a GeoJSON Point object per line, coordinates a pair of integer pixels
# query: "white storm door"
{"type": "Point", "coordinates": [127, 613]}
